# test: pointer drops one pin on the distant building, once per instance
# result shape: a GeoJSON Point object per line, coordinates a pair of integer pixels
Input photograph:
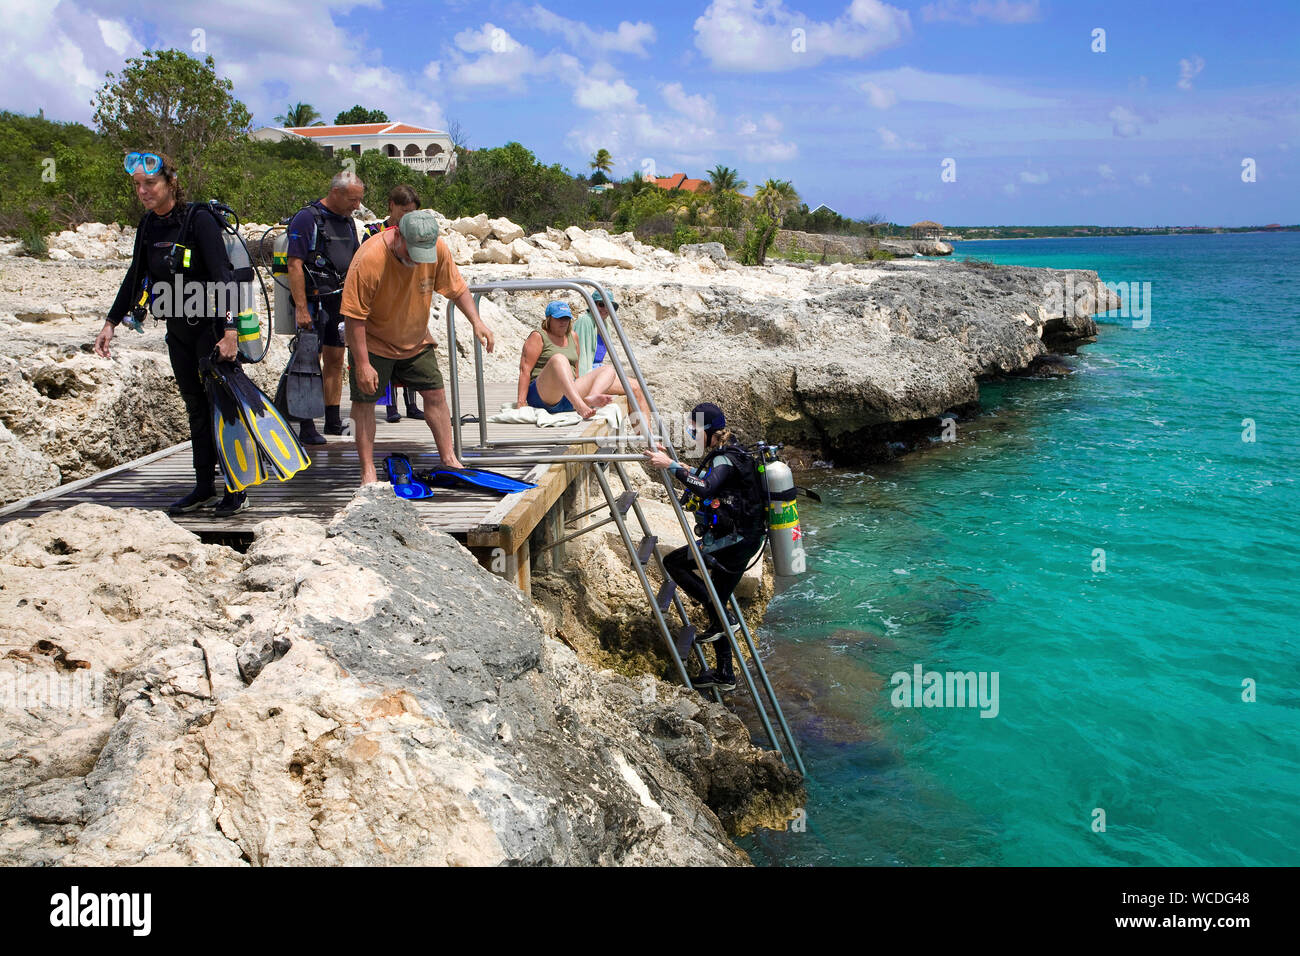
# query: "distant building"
{"type": "Point", "coordinates": [428, 150]}
{"type": "Point", "coordinates": [679, 181]}
{"type": "Point", "coordinates": [600, 187]}
{"type": "Point", "coordinates": [820, 207]}
{"type": "Point", "coordinates": [926, 229]}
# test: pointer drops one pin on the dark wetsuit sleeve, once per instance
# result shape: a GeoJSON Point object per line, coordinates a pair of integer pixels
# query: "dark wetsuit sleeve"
{"type": "Point", "coordinates": [212, 250]}
{"type": "Point", "coordinates": [707, 486]}
{"type": "Point", "coordinates": [131, 283]}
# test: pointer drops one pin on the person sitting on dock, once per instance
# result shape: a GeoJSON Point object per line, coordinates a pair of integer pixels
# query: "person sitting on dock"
{"type": "Point", "coordinates": [730, 509]}
{"type": "Point", "coordinates": [548, 371]}
{"type": "Point", "coordinates": [386, 302]}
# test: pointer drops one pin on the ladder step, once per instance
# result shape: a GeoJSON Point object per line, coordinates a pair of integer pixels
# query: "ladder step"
{"type": "Point", "coordinates": [665, 596]}
{"type": "Point", "coordinates": [624, 502]}
{"type": "Point", "coordinates": [646, 548]}
{"type": "Point", "coordinates": [685, 639]}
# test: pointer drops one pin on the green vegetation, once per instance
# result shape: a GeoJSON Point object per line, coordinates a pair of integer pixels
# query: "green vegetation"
{"type": "Point", "coordinates": [359, 114]}
{"type": "Point", "coordinates": [299, 115]}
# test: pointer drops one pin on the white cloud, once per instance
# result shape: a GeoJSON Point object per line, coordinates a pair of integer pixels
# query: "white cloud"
{"type": "Point", "coordinates": [627, 38]}
{"type": "Point", "coordinates": [771, 151]}
{"type": "Point", "coordinates": [1033, 179]}
{"type": "Point", "coordinates": [882, 98]}
{"type": "Point", "coordinates": [892, 141]}
{"type": "Point", "coordinates": [1188, 69]}
{"type": "Point", "coordinates": [117, 37]}
{"type": "Point", "coordinates": [908, 84]}
{"type": "Point", "coordinates": [1142, 179]}
{"type": "Point", "coordinates": [505, 63]}
{"type": "Point", "coordinates": [1126, 122]}
{"type": "Point", "coordinates": [1105, 171]}
{"type": "Point", "coordinates": [63, 51]}
{"type": "Point", "coordinates": [995, 11]}
{"type": "Point", "coordinates": [753, 36]}
{"type": "Point", "coordinates": [1009, 189]}
{"type": "Point", "coordinates": [432, 71]}
{"type": "Point", "coordinates": [697, 107]}
{"type": "Point", "coordinates": [593, 94]}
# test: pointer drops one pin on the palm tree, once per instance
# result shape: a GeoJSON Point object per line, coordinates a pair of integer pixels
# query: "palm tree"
{"type": "Point", "coordinates": [773, 199]}
{"type": "Point", "coordinates": [602, 161]}
{"type": "Point", "coordinates": [726, 179]}
{"type": "Point", "coordinates": [300, 114]}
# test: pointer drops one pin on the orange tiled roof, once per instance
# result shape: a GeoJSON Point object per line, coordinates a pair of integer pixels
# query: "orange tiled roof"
{"type": "Point", "coordinates": [679, 181]}
{"type": "Point", "coordinates": [361, 129]}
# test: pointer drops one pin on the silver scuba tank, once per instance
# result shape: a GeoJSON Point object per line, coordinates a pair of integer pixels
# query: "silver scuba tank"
{"type": "Point", "coordinates": [249, 323]}
{"type": "Point", "coordinates": [285, 321]}
{"type": "Point", "coordinates": [783, 532]}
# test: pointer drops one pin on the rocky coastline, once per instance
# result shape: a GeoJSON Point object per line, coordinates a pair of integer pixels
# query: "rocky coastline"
{"type": "Point", "coordinates": [365, 693]}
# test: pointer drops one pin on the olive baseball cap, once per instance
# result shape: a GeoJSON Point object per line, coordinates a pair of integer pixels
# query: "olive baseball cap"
{"type": "Point", "coordinates": [419, 229]}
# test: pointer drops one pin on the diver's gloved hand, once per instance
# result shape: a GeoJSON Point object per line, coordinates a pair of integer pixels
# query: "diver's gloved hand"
{"type": "Point", "coordinates": [228, 346]}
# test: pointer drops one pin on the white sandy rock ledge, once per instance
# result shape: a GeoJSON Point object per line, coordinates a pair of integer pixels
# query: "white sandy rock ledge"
{"type": "Point", "coordinates": [362, 694]}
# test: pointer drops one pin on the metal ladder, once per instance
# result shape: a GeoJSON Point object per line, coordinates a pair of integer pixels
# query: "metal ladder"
{"type": "Point", "coordinates": [641, 553]}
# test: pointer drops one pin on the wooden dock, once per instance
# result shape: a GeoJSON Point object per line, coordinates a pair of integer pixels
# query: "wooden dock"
{"type": "Point", "coordinates": [495, 528]}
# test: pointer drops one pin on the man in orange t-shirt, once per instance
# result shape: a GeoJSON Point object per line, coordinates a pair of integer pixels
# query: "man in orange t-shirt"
{"type": "Point", "coordinates": [386, 301]}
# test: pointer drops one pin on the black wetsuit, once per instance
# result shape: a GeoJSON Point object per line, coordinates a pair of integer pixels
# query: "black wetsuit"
{"type": "Point", "coordinates": [727, 556]}
{"type": "Point", "coordinates": [188, 339]}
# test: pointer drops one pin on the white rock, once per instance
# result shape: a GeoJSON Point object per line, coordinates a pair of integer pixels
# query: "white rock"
{"type": "Point", "coordinates": [493, 251]}
{"type": "Point", "coordinates": [10, 247]}
{"type": "Point", "coordinates": [595, 251]}
{"type": "Point", "coordinates": [61, 255]}
{"type": "Point", "coordinates": [557, 236]}
{"type": "Point", "coordinates": [522, 251]}
{"type": "Point", "coordinates": [505, 230]}
{"type": "Point", "coordinates": [543, 242]}
{"type": "Point", "coordinates": [461, 248]}
{"type": "Point", "coordinates": [476, 226]}
{"type": "Point", "coordinates": [573, 232]}
{"type": "Point", "coordinates": [94, 229]}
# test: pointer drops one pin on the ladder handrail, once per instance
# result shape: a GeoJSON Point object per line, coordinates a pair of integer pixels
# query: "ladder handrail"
{"type": "Point", "coordinates": [578, 285]}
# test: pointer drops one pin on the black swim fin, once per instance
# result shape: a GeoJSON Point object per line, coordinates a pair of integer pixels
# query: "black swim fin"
{"type": "Point", "coordinates": [475, 478]}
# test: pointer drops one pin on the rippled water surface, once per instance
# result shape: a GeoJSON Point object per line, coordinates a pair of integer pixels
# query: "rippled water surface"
{"type": "Point", "coordinates": [1118, 689]}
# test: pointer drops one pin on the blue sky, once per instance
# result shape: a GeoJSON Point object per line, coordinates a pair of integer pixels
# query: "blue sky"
{"type": "Point", "coordinates": [858, 102]}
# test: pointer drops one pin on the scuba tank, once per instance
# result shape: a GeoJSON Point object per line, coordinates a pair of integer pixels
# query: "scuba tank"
{"type": "Point", "coordinates": [285, 322]}
{"type": "Point", "coordinates": [251, 344]}
{"type": "Point", "coordinates": [788, 556]}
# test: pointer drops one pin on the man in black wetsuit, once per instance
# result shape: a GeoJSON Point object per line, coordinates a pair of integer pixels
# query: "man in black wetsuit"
{"type": "Point", "coordinates": [151, 284]}
{"type": "Point", "coordinates": [730, 519]}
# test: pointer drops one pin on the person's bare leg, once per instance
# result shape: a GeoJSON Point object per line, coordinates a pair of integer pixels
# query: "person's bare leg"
{"type": "Point", "coordinates": [605, 380]}
{"type": "Point", "coordinates": [557, 380]}
{"type": "Point", "coordinates": [437, 415]}
{"type": "Point", "coordinates": [331, 360]}
{"type": "Point", "coordinates": [363, 431]}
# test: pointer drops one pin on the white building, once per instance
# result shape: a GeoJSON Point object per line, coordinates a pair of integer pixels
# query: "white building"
{"type": "Point", "coordinates": [428, 150]}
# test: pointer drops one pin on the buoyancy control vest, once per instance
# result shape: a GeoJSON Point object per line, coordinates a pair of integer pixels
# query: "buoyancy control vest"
{"type": "Point", "coordinates": [740, 507]}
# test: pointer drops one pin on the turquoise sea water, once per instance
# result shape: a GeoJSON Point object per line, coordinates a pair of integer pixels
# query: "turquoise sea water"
{"type": "Point", "coordinates": [1118, 689]}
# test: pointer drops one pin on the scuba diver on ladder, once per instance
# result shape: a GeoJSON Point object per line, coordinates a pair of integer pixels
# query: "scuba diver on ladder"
{"type": "Point", "coordinates": [730, 508]}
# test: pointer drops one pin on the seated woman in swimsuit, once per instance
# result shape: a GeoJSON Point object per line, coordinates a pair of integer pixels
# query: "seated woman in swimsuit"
{"type": "Point", "coordinates": [548, 370]}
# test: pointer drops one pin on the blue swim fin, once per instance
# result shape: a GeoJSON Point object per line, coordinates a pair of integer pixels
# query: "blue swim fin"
{"type": "Point", "coordinates": [405, 484]}
{"type": "Point", "coordinates": [475, 478]}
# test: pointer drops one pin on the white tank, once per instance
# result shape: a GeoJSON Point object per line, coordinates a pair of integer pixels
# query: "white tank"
{"type": "Point", "coordinates": [783, 532]}
{"type": "Point", "coordinates": [285, 323]}
{"type": "Point", "coordinates": [248, 320]}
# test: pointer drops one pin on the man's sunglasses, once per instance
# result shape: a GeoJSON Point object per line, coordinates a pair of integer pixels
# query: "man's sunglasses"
{"type": "Point", "coordinates": [149, 162]}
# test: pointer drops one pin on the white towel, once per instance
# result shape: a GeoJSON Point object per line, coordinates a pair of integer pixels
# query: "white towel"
{"type": "Point", "coordinates": [509, 415]}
